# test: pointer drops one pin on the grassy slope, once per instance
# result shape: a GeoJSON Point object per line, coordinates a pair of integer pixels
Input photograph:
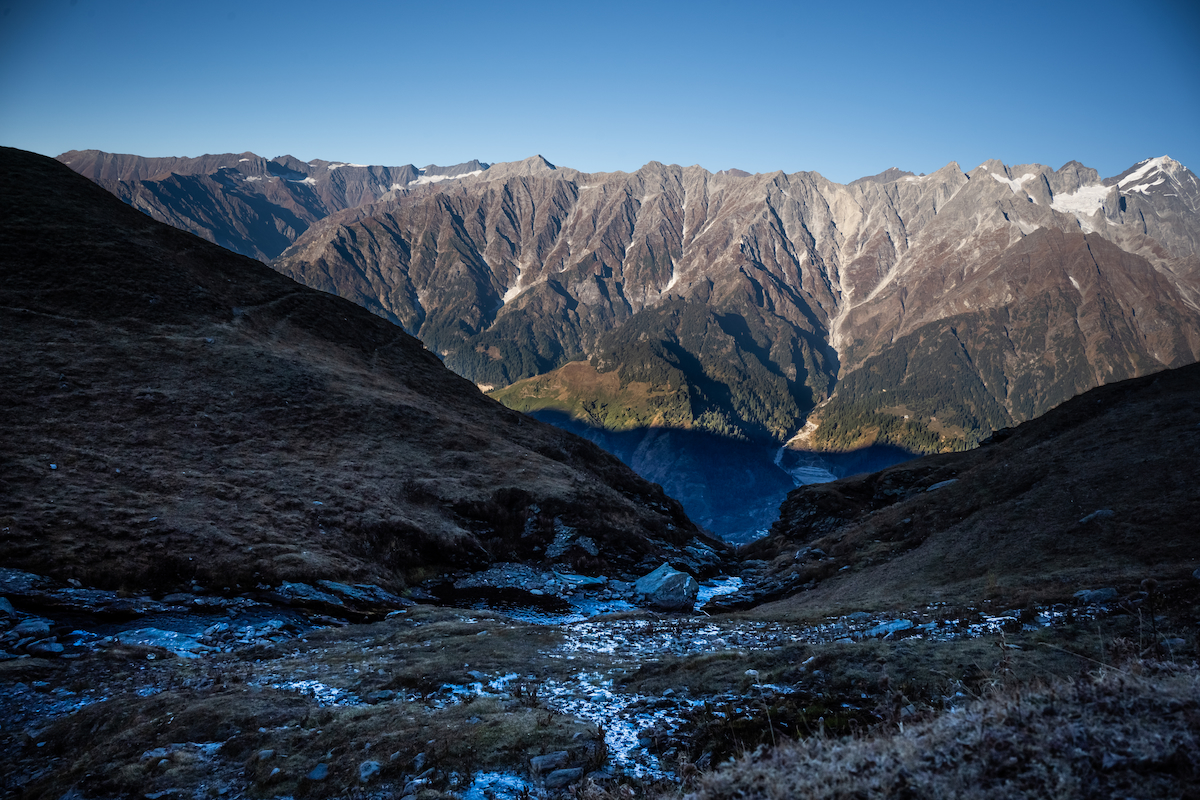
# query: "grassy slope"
{"type": "Point", "coordinates": [1012, 523]}
{"type": "Point", "coordinates": [262, 430]}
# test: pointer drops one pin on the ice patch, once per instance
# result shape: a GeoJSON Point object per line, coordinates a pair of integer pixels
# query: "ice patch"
{"type": "Point", "coordinates": [1075, 283]}
{"type": "Point", "coordinates": [240, 160]}
{"type": "Point", "coordinates": [1085, 200]}
{"type": "Point", "coordinates": [339, 166]}
{"type": "Point", "coordinates": [308, 181]}
{"type": "Point", "coordinates": [498, 786]}
{"type": "Point", "coordinates": [250, 178]}
{"type": "Point", "coordinates": [323, 694]}
{"type": "Point", "coordinates": [716, 587]}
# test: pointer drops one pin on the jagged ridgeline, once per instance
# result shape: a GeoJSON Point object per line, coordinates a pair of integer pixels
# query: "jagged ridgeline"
{"type": "Point", "coordinates": [918, 310]}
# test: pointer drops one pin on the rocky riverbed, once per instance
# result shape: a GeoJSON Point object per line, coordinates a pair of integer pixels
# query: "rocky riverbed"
{"type": "Point", "coordinates": [260, 695]}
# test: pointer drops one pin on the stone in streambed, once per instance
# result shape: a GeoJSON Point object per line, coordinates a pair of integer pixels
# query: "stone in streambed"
{"type": "Point", "coordinates": [666, 589]}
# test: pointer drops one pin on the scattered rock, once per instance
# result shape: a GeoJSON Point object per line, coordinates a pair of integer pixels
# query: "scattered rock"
{"type": "Point", "coordinates": [367, 770]}
{"type": "Point", "coordinates": [264, 755]}
{"type": "Point", "coordinates": [45, 647]}
{"type": "Point", "coordinates": [32, 627]}
{"type": "Point", "coordinates": [301, 594]}
{"type": "Point", "coordinates": [365, 595]}
{"type": "Point", "coordinates": [666, 589]}
{"type": "Point", "coordinates": [549, 762]}
{"type": "Point", "coordinates": [942, 484]}
{"type": "Point", "coordinates": [319, 773]}
{"type": "Point", "coordinates": [561, 778]}
{"type": "Point", "coordinates": [1096, 595]}
{"type": "Point", "coordinates": [181, 644]}
{"type": "Point", "coordinates": [888, 628]}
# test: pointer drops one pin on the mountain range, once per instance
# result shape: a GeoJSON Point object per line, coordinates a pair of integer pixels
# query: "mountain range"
{"type": "Point", "coordinates": [919, 311]}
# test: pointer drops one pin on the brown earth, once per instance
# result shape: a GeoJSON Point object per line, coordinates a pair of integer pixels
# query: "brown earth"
{"type": "Point", "coordinates": [175, 412]}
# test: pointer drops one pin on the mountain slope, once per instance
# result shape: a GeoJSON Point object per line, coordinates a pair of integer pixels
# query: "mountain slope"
{"type": "Point", "coordinates": [176, 412]}
{"type": "Point", "coordinates": [1096, 492]}
{"type": "Point", "coordinates": [807, 281]}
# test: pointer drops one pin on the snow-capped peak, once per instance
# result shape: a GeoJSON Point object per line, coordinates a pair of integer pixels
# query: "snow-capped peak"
{"type": "Point", "coordinates": [1139, 180]}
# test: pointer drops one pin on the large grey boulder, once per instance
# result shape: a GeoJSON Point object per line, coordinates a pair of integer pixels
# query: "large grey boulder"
{"type": "Point", "coordinates": [666, 589]}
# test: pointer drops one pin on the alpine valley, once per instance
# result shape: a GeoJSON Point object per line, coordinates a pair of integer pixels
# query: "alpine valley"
{"type": "Point", "coordinates": [731, 335]}
{"type": "Point", "coordinates": [257, 541]}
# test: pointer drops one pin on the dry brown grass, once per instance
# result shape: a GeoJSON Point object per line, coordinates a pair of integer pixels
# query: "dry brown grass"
{"type": "Point", "coordinates": [1117, 733]}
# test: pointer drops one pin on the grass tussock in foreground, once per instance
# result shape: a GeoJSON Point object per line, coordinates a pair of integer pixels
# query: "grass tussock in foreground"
{"type": "Point", "coordinates": [1118, 733]}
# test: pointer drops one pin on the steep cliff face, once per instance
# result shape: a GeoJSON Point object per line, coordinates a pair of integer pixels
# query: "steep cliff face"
{"type": "Point", "coordinates": [1027, 284]}
{"type": "Point", "coordinates": [177, 412]}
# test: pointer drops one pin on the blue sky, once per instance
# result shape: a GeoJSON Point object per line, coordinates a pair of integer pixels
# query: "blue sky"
{"type": "Point", "coordinates": [845, 89]}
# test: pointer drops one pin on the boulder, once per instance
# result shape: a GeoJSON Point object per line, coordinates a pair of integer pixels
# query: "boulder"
{"type": "Point", "coordinates": [301, 594]}
{"type": "Point", "coordinates": [1096, 595]}
{"type": "Point", "coordinates": [32, 627]}
{"type": "Point", "coordinates": [45, 647]}
{"type": "Point", "coordinates": [368, 770]}
{"type": "Point", "coordinates": [561, 778]}
{"type": "Point", "coordinates": [549, 762]}
{"type": "Point", "coordinates": [666, 589]}
{"type": "Point", "coordinates": [6, 608]}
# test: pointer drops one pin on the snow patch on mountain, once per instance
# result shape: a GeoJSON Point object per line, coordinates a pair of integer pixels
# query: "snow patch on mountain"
{"type": "Point", "coordinates": [1160, 164]}
{"type": "Point", "coordinates": [1085, 200]}
{"type": "Point", "coordinates": [439, 178]}
{"type": "Point", "coordinates": [1015, 185]}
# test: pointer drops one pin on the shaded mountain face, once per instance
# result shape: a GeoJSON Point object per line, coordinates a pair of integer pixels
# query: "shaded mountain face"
{"type": "Point", "coordinates": [247, 203]}
{"type": "Point", "coordinates": [1098, 492]}
{"type": "Point", "coordinates": [739, 304]}
{"type": "Point", "coordinates": [176, 412]}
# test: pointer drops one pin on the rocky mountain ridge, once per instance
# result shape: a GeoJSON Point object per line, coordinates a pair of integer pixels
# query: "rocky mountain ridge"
{"type": "Point", "coordinates": [798, 280]}
{"type": "Point", "coordinates": [245, 202]}
{"type": "Point", "coordinates": [511, 271]}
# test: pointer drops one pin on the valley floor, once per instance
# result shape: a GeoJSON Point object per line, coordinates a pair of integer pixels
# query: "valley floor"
{"type": "Point", "coordinates": [440, 702]}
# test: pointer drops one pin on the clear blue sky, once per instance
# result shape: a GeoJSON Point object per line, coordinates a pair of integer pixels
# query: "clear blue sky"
{"type": "Point", "coordinates": [843, 88]}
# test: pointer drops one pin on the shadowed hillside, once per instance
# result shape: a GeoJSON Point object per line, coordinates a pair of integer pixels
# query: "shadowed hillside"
{"type": "Point", "coordinates": [1100, 490]}
{"type": "Point", "coordinates": [175, 412]}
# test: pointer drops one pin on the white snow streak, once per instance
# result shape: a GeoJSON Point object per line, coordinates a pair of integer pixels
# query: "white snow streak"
{"type": "Point", "coordinates": [439, 178]}
{"type": "Point", "coordinates": [1015, 185]}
